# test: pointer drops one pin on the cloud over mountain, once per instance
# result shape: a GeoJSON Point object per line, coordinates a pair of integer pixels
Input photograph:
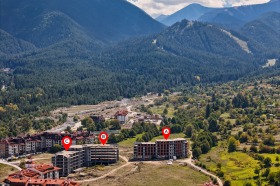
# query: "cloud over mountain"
{"type": "Point", "coordinates": [157, 7]}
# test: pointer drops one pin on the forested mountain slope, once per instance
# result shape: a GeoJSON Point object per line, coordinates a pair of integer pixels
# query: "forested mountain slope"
{"type": "Point", "coordinates": [45, 22]}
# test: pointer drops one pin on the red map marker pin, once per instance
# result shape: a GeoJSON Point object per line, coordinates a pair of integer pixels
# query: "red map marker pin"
{"type": "Point", "coordinates": [66, 142]}
{"type": "Point", "coordinates": [103, 137]}
{"type": "Point", "coordinates": [166, 132]}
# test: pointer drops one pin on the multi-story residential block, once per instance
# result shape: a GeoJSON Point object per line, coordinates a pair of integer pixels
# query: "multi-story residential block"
{"type": "Point", "coordinates": [40, 142]}
{"type": "Point", "coordinates": [68, 161]}
{"type": "Point", "coordinates": [84, 156]}
{"type": "Point", "coordinates": [145, 150]}
{"type": "Point", "coordinates": [161, 149]}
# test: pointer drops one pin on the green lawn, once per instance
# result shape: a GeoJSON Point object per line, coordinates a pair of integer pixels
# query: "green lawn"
{"type": "Point", "coordinates": [5, 170]}
{"type": "Point", "coordinates": [272, 157]}
{"type": "Point", "coordinates": [237, 166]}
{"type": "Point", "coordinates": [159, 110]}
{"type": "Point", "coordinates": [129, 142]}
{"type": "Point", "coordinates": [172, 136]}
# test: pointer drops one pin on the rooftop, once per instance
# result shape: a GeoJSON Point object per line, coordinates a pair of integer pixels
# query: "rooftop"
{"type": "Point", "coordinates": [121, 113]}
{"type": "Point", "coordinates": [176, 139]}
{"type": "Point", "coordinates": [36, 181]}
{"type": "Point", "coordinates": [66, 153]}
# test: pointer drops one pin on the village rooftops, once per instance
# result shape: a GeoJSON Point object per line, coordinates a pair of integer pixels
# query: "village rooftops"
{"type": "Point", "coordinates": [44, 168]}
{"type": "Point", "coordinates": [42, 182]}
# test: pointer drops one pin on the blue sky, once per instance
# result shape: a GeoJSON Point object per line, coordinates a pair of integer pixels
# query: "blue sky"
{"type": "Point", "coordinates": [167, 7]}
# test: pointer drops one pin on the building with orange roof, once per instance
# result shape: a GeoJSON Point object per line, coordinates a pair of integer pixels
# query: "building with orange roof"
{"type": "Point", "coordinates": [122, 116]}
{"type": "Point", "coordinates": [38, 175]}
{"type": "Point", "coordinates": [19, 180]}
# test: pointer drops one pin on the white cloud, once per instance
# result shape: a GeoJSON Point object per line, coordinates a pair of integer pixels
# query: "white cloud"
{"type": "Point", "coordinates": [157, 7]}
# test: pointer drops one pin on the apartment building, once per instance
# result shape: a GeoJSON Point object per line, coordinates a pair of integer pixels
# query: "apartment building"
{"type": "Point", "coordinates": [38, 174]}
{"type": "Point", "coordinates": [145, 150]}
{"type": "Point", "coordinates": [68, 161]}
{"type": "Point", "coordinates": [85, 156]}
{"type": "Point", "coordinates": [40, 142]}
{"type": "Point", "coordinates": [161, 149]}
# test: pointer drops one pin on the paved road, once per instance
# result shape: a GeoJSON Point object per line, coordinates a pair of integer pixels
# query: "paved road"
{"type": "Point", "coordinates": [111, 172]}
{"type": "Point", "coordinates": [191, 164]}
{"type": "Point", "coordinates": [10, 164]}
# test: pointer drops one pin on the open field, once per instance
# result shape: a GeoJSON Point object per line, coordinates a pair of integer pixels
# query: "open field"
{"type": "Point", "coordinates": [129, 142]}
{"type": "Point", "coordinates": [166, 175]}
{"type": "Point", "coordinates": [272, 157]}
{"type": "Point", "coordinates": [96, 171]}
{"type": "Point", "coordinates": [5, 170]}
{"type": "Point", "coordinates": [159, 110]}
{"type": "Point", "coordinates": [238, 167]}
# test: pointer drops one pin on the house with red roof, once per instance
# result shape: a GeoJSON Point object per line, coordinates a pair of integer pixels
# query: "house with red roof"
{"type": "Point", "coordinates": [122, 116]}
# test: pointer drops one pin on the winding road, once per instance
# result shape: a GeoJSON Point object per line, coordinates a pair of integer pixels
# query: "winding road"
{"type": "Point", "coordinates": [191, 164]}
{"type": "Point", "coordinates": [107, 174]}
{"type": "Point", "coordinates": [10, 164]}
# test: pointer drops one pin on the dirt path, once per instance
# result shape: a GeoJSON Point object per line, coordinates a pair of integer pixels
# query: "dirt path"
{"type": "Point", "coordinates": [109, 173]}
{"type": "Point", "coordinates": [188, 161]}
{"type": "Point", "coordinates": [10, 164]}
{"type": "Point", "coordinates": [191, 164]}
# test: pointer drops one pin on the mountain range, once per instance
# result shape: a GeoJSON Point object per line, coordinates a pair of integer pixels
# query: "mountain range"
{"type": "Point", "coordinates": [44, 23]}
{"type": "Point", "coordinates": [229, 17]}
{"type": "Point", "coordinates": [84, 52]}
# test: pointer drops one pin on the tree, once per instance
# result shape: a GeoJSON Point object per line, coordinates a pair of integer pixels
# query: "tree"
{"type": "Point", "coordinates": [205, 147]}
{"type": "Point", "coordinates": [232, 144]}
{"type": "Point", "coordinates": [132, 133]}
{"type": "Point", "coordinates": [76, 118]}
{"type": "Point", "coordinates": [257, 171]}
{"type": "Point", "coordinates": [189, 131]}
{"type": "Point", "coordinates": [207, 111]}
{"type": "Point", "coordinates": [68, 129]}
{"type": "Point", "coordinates": [267, 162]}
{"type": "Point", "coordinates": [227, 183]}
{"type": "Point", "coordinates": [254, 149]}
{"type": "Point", "coordinates": [165, 111]}
{"type": "Point", "coordinates": [22, 164]}
{"type": "Point", "coordinates": [89, 124]}
{"type": "Point", "coordinates": [269, 140]}
{"type": "Point", "coordinates": [112, 139]}
{"type": "Point", "coordinates": [266, 172]}
{"type": "Point", "coordinates": [176, 128]}
{"type": "Point", "coordinates": [26, 124]}
{"type": "Point", "coordinates": [197, 152]}
{"type": "Point", "coordinates": [115, 124]}
{"type": "Point", "coordinates": [213, 124]}
{"type": "Point", "coordinates": [56, 148]}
